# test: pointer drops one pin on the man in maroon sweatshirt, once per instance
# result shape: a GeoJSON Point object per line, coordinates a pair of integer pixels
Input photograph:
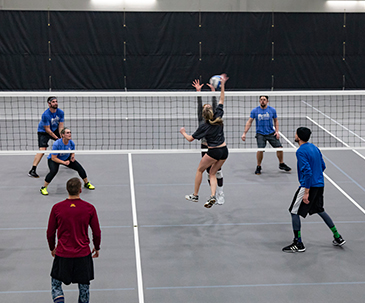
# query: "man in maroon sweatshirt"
{"type": "Point", "coordinates": [72, 255]}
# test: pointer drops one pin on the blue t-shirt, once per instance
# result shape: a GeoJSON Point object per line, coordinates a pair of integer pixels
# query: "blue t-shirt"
{"type": "Point", "coordinates": [213, 134]}
{"type": "Point", "coordinates": [51, 119]}
{"type": "Point", "coordinates": [59, 145]}
{"type": "Point", "coordinates": [264, 125]}
{"type": "Point", "coordinates": [310, 166]}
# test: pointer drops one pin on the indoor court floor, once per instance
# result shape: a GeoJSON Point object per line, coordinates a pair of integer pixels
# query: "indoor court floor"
{"type": "Point", "coordinates": [158, 247]}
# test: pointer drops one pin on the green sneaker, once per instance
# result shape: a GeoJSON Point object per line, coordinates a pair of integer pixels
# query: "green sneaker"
{"type": "Point", "coordinates": [44, 191]}
{"type": "Point", "coordinates": [89, 186]}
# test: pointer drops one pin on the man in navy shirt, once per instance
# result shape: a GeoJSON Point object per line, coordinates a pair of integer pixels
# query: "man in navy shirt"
{"type": "Point", "coordinates": [48, 128]}
{"type": "Point", "coordinates": [308, 199]}
{"type": "Point", "coordinates": [265, 131]}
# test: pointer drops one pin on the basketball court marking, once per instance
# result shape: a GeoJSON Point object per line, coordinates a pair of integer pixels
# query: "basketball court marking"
{"type": "Point", "coordinates": [64, 290]}
{"type": "Point", "coordinates": [336, 122]}
{"type": "Point", "coordinates": [257, 285]}
{"type": "Point", "coordinates": [333, 120]}
{"type": "Point", "coordinates": [135, 231]}
{"type": "Point", "coordinates": [338, 139]}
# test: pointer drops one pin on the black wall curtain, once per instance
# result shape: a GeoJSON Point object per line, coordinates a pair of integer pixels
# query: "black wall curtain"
{"type": "Point", "coordinates": [42, 50]}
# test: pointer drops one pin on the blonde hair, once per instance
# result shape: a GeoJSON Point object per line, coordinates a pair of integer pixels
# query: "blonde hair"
{"type": "Point", "coordinates": [208, 115]}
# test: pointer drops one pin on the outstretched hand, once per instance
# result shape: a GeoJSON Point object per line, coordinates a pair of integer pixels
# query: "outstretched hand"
{"type": "Point", "coordinates": [197, 85]}
{"type": "Point", "coordinates": [211, 87]}
{"type": "Point", "coordinates": [182, 130]}
{"type": "Point", "coordinates": [224, 78]}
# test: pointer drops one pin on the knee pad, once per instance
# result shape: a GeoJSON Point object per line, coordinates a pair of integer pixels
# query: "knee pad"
{"type": "Point", "coordinates": [219, 174]}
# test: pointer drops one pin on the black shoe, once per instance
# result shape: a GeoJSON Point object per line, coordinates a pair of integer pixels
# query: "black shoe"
{"type": "Point", "coordinates": [33, 174]}
{"type": "Point", "coordinates": [294, 247]}
{"type": "Point", "coordinates": [210, 202]}
{"type": "Point", "coordinates": [338, 241]}
{"type": "Point", "coordinates": [258, 170]}
{"type": "Point", "coordinates": [285, 167]}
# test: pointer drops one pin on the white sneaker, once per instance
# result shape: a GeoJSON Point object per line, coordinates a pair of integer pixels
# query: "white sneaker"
{"type": "Point", "coordinates": [220, 198]}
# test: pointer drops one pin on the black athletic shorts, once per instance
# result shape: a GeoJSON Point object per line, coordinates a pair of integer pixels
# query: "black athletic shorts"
{"type": "Point", "coordinates": [73, 270]}
{"type": "Point", "coordinates": [218, 153]}
{"type": "Point", "coordinates": [315, 202]}
{"type": "Point", "coordinates": [43, 138]}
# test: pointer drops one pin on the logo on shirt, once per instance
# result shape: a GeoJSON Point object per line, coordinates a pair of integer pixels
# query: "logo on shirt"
{"type": "Point", "coordinates": [55, 121]}
{"type": "Point", "coordinates": [265, 116]}
{"type": "Point", "coordinates": [72, 205]}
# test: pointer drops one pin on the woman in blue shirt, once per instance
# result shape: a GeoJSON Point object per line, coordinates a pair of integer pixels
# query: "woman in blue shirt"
{"type": "Point", "coordinates": [67, 159]}
{"type": "Point", "coordinates": [212, 131]}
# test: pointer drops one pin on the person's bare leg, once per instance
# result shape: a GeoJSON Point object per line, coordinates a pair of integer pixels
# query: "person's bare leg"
{"type": "Point", "coordinates": [38, 157]}
{"type": "Point", "coordinates": [205, 162]}
{"type": "Point", "coordinates": [259, 157]}
{"type": "Point", "coordinates": [280, 155]}
{"type": "Point", "coordinates": [213, 177]}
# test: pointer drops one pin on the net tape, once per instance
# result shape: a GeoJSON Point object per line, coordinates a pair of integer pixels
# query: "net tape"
{"type": "Point", "coordinates": [123, 121]}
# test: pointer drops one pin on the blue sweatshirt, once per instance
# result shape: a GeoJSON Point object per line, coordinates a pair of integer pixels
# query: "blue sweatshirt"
{"type": "Point", "coordinates": [310, 166]}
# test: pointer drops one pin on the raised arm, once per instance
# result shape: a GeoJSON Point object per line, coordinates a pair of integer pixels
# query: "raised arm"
{"type": "Point", "coordinates": [198, 87]}
{"type": "Point", "coordinates": [224, 79]}
{"type": "Point", "coordinates": [214, 98]}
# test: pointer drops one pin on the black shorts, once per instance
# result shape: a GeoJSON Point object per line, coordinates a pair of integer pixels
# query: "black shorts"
{"type": "Point", "coordinates": [43, 138]}
{"type": "Point", "coordinates": [218, 153]}
{"type": "Point", "coordinates": [73, 270]}
{"type": "Point", "coordinates": [315, 205]}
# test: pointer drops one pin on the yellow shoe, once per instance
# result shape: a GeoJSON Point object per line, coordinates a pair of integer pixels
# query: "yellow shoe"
{"type": "Point", "coordinates": [44, 191]}
{"type": "Point", "coordinates": [89, 186]}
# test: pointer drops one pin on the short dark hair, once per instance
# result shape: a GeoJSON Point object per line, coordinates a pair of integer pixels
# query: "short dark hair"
{"type": "Point", "coordinates": [267, 97]}
{"type": "Point", "coordinates": [304, 133]}
{"type": "Point", "coordinates": [73, 186]}
{"type": "Point", "coordinates": [49, 100]}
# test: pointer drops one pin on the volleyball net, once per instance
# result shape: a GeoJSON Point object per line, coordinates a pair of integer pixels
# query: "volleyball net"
{"type": "Point", "coordinates": [123, 121]}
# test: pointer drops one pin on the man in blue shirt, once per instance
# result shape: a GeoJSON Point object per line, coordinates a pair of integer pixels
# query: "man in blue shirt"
{"type": "Point", "coordinates": [265, 131]}
{"type": "Point", "coordinates": [48, 128]}
{"type": "Point", "coordinates": [308, 199]}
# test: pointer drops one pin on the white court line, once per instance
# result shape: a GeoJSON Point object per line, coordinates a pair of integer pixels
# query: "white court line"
{"type": "Point", "coordinates": [337, 186]}
{"type": "Point", "coordinates": [286, 139]}
{"type": "Point", "coordinates": [333, 120]}
{"type": "Point", "coordinates": [65, 290]}
{"type": "Point", "coordinates": [338, 123]}
{"type": "Point", "coordinates": [135, 231]}
{"type": "Point", "coordinates": [338, 139]}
